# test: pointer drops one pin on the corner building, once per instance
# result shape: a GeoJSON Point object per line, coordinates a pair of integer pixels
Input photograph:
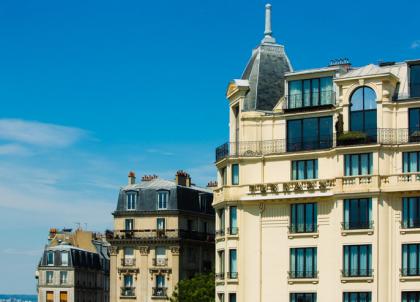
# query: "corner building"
{"type": "Point", "coordinates": [163, 233]}
{"type": "Point", "coordinates": [319, 184]}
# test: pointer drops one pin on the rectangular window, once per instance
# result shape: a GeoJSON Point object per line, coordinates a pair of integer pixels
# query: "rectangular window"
{"type": "Point", "coordinates": [411, 296]}
{"type": "Point", "coordinates": [128, 281]}
{"type": "Point", "coordinates": [233, 220]}
{"type": "Point", "coordinates": [232, 297]}
{"type": "Point", "coordinates": [64, 258]}
{"type": "Point", "coordinates": [235, 174]}
{"type": "Point", "coordinates": [357, 261]}
{"type": "Point", "coordinates": [302, 297]}
{"type": "Point", "coordinates": [160, 281]}
{"type": "Point", "coordinates": [357, 214]}
{"type": "Point", "coordinates": [50, 296]}
{"type": "Point", "coordinates": [202, 202]}
{"type": "Point", "coordinates": [411, 212]}
{"type": "Point", "coordinates": [221, 297]}
{"type": "Point", "coordinates": [131, 200]}
{"type": "Point", "coordinates": [414, 124]}
{"type": "Point", "coordinates": [63, 296]}
{"type": "Point", "coordinates": [224, 176]}
{"type": "Point", "coordinates": [221, 261]}
{"type": "Point", "coordinates": [221, 216]}
{"type": "Point", "coordinates": [50, 258]}
{"type": "Point", "coordinates": [310, 92]}
{"type": "Point", "coordinates": [303, 218]}
{"type": "Point", "coordinates": [411, 162]}
{"type": "Point", "coordinates": [357, 297]}
{"type": "Point", "coordinates": [128, 252]}
{"type": "Point", "coordinates": [233, 268]}
{"type": "Point", "coordinates": [415, 81]}
{"type": "Point", "coordinates": [303, 262]}
{"type": "Point", "coordinates": [309, 134]}
{"type": "Point", "coordinates": [411, 260]}
{"type": "Point", "coordinates": [160, 223]}
{"type": "Point", "coordinates": [129, 224]}
{"type": "Point", "coordinates": [163, 200]}
{"type": "Point", "coordinates": [63, 277]}
{"type": "Point", "coordinates": [305, 169]}
{"type": "Point", "coordinates": [358, 164]}
{"type": "Point", "coordinates": [49, 276]}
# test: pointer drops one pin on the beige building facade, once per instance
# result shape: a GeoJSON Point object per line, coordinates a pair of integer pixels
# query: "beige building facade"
{"type": "Point", "coordinates": [319, 184]}
{"type": "Point", "coordinates": [163, 233]}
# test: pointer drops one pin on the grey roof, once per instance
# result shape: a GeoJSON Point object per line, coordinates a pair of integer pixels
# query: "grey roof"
{"type": "Point", "coordinates": [161, 184]}
{"type": "Point", "coordinates": [266, 72]}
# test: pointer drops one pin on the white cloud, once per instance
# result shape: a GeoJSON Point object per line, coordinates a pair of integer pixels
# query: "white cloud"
{"type": "Point", "coordinates": [39, 134]}
{"type": "Point", "coordinates": [415, 44]}
{"type": "Point", "coordinates": [14, 149]}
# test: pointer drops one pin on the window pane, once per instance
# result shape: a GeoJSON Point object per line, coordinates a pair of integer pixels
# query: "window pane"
{"type": "Point", "coordinates": [307, 93]}
{"type": "Point", "coordinates": [325, 132]}
{"type": "Point", "coordinates": [356, 121]}
{"type": "Point", "coordinates": [356, 101]}
{"type": "Point", "coordinates": [295, 94]}
{"type": "Point", "coordinates": [310, 133]}
{"type": "Point", "coordinates": [315, 92]}
{"type": "Point", "coordinates": [415, 80]}
{"type": "Point", "coordinates": [326, 91]}
{"type": "Point", "coordinates": [355, 164]}
{"type": "Point", "coordinates": [370, 98]}
{"type": "Point", "coordinates": [235, 174]}
{"type": "Point", "coordinates": [301, 170]}
{"type": "Point", "coordinates": [365, 164]}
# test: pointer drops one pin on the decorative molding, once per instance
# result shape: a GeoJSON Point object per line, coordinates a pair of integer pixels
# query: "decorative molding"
{"type": "Point", "coordinates": [113, 250]}
{"type": "Point", "coordinates": [144, 250]}
{"type": "Point", "coordinates": [175, 250]}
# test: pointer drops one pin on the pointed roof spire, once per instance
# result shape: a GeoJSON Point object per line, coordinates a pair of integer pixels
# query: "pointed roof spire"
{"type": "Point", "coordinates": [268, 38]}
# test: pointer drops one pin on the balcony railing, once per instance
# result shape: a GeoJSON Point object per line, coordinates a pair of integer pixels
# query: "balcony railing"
{"type": "Point", "coordinates": [128, 291]}
{"type": "Point", "coordinates": [410, 224]}
{"type": "Point", "coordinates": [407, 272]}
{"type": "Point", "coordinates": [383, 136]}
{"type": "Point", "coordinates": [160, 261]}
{"type": "Point", "coordinates": [350, 273]}
{"type": "Point", "coordinates": [162, 234]}
{"type": "Point", "coordinates": [303, 274]}
{"type": "Point", "coordinates": [310, 101]}
{"type": "Point", "coordinates": [128, 261]}
{"type": "Point", "coordinates": [303, 228]}
{"type": "Point", "coordinates": [357, 225]}
{"type": "Point", "coordinates": [159, 291]}
{"type": "Point", "coordinates": [220, 233]}
{"type": "Point", "coordinates": [220, 276]}
{"type": "Point", "coordinates": [232, 275]}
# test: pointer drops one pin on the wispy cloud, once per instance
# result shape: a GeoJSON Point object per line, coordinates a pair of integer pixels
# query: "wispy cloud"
{"type": "Point", "coordinates": [39, 134]}
{"type": "Point", "coordinates": [415, 44]}
{"type": "Point", "coordinates": [14, 149]}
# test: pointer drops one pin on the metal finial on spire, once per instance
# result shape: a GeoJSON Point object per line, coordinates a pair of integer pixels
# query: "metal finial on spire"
{"type": "Point", "coordinates": [268, 38]}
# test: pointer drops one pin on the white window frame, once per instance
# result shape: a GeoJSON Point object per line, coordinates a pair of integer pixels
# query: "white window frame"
{"type": "Point", "coordinates": [66, 255]}
{"type": "Point", "coordinates": [48, 280]}
{"type": "Point", "coordinates": [48, 257]}
{"type": "Point", "coordinates": [162, 204]}
{"type": "Point", "coordinates": [131, 201]}
{"type": "Point", "coordinates": [63, 280]}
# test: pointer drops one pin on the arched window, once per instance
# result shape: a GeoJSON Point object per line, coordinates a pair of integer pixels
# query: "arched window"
{"type": "Point", "coordinates": [363, 111]}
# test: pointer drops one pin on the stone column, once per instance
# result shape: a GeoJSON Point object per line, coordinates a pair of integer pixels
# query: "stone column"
{"type": "Point", "coordinates": [113, 274]}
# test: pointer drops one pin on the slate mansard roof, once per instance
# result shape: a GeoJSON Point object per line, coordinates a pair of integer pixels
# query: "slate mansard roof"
{"type": "Point", "coordinates": [180, 197]}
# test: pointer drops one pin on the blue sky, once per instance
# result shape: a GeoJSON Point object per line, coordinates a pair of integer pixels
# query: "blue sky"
{"type": "Point", "coordinates": [92, 89]}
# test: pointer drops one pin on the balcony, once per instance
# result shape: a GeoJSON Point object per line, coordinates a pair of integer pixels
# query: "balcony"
{"type": "Point", "coordinates": [382, 136]}
{"type": "Point", "coordinates": [297, 230]}
{"type": "Point", "coordinates": [357, 275]}
{"type": "Point", "coordinates": [167, 234]}
{"type": "Point", "coordinates": [410, 272]}
{"type": "Point", "coordinates": [160, 261]}
{"type": "Point", "coordinates": [128, 291]}
{"type": "Point", "coordinates": [410, 224]}
{"type": "Point", "coordinates": [302, 277]}
{"type": "Point", "coordinates": [357, 227]}
{"type": "Point", "coordinates": [220, 233]}
{"type": "Point", "coordinates": [220, 276]}
{"type": "Point", "coordinates": [129, 261]}
{"type": "Point", "coordinates": [233, 231]}
{"type": "Point", "coordinates": [159, 292]}
{"type": "Point", "coordinates": [310, 101]}
{"type": "Point", "coordinates": [232, 275]}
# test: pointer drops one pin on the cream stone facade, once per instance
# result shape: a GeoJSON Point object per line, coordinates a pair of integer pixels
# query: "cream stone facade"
{"type": "Point", "coordinates": [347, 229]}
{"type": "Point", "coordinates": [163, 233]}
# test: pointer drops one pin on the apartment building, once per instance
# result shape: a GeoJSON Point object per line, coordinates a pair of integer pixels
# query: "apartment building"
{"type": "Point", "coordinates": [319, 184]}
{"type": "Point", "coordinates": [74, 267]}
{"type": "Point", "coordinates": [164, 232]}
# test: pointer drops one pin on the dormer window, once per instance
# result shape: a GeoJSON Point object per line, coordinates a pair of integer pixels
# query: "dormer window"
{"type": "Point", "coordinates": [310, 93]}
{"type": "Point", "coordinates": [131, 200]}
{"type": "Point", "coordinates": [415, 80]}
{"type": "Point", "coordinates": [163, 197]}
{"type": "Point", "coordinates": [363, 112]}
{"type": "Point", "coordinates": [64, 258]}
{"type": "Point", "coordinates": [50, 258]}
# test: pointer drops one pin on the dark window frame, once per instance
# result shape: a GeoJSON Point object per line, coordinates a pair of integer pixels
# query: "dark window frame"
{"type": "Point", "coordinates": [355, 225]}
{"type": "Point", "coordinates": [407, 208]}
{"type": "Point", "coordinates": [311, 92]}
{"type": "Point", "coordinates": [294, 226]}
{"type": "Point", "coordinates": [406, 160]}
{"type": "Point", "coordinates": [407, 296]}
{"type": "Point", "coordinates": [364, 111]}
{"type": "Point", "coordinates": [233, 182]}
{"type": "Point", "coordinates": [367, 296]}
{"type": "Point", "coordinates": [409, 271]}
{"type": "Point", "coordinates": [294, 272]}
{"type": "Point", "coordinates": [359, 155]}
{"type": "Point", "coordinates": [369, 261]}
{"type": "Point", "coordinates": [295, 296]}
{"type": "Point", "coordinates": [295, 166]}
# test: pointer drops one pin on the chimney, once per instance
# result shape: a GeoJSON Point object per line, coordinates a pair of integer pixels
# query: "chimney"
{"type": "Point", "coordinates": [131, 178]}
{"type": "Point", "coordinates": [212, 184]}
{"type": "Point", "coordinates": [183, 179]}
{"type": "Point", "coordinates": [342, 62]}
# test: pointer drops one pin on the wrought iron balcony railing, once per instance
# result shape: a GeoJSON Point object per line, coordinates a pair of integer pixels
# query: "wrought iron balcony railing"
{"type": "Point", "coordinates": [383, 136]}
{"type": "Point", "coordinates": [359, 272]}
{"type": "Point", "coordinates": [220, 276]}
{"type": "Point", "coordinates": [410, 224]}
{"type": "Point", "coordinates": [128, 291]}
{"type": "Point", "coordinates": [407, 272]}
{"type": "Point", "coordinates": [296, 228]}
{"type": "Point", "coordinates": [232, 275]}
{"type": "Point", "coordinates": [310, 101]}
{"type": "Point", "coordinates": [309, 274]}
{"type": "Point", "coordinates": [159, 291]}
{"type": "Point", "coordinates": [160, 261]}
{"type": "Point", "coordinates": [220, 233]}
{"type": "Point", "coordinates": [357, 225]}
{"type": "Point", "coordinates": [128, 261]}
{"type": "Point", "coordinates": [233, 230]}
{"type": "Point", "coordinates": [162, 234]}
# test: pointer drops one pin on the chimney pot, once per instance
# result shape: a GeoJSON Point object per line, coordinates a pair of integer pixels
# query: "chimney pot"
{"type": "Point", "coordinates": [182, 178]}
{"type": "Point", "coordinates": [131, 178]}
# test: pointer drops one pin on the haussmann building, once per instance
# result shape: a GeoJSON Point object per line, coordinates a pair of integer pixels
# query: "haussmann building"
{"type": "Point", "coordinates": [163, 233]}
{"type": "Point", "coordinates": [319, 184]}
